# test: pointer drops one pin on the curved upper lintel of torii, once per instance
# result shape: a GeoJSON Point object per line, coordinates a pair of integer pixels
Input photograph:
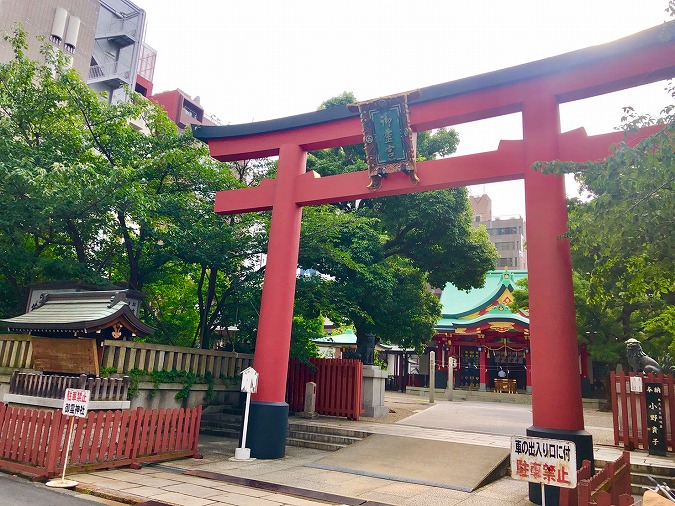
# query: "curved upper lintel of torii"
{"type": "Point", "coordinates": [635, 60]}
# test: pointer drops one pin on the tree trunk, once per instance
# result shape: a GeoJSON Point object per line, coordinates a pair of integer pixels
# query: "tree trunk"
{"type": "Point", "coordinates": [405, 372]}
{"type": "Point", "coordinates": [204, 331]}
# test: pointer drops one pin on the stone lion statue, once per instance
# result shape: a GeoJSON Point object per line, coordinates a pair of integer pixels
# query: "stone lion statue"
{"type": "Point", "coordinates": [641, 362]}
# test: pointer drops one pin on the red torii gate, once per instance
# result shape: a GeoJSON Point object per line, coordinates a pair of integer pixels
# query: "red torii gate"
{"type": "Point", "coordinates": [535, 90]}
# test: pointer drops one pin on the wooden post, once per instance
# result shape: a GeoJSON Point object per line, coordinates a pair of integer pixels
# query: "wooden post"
{"type": "Point", "coordinates": [432, 377]}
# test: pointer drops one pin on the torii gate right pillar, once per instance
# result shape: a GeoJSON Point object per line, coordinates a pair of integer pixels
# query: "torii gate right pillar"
{"type": "Point", "coordinates": [556, 386]}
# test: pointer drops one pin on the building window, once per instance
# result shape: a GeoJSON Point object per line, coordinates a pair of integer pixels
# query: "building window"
{"type": "Point", "coordinates": [503, 231]}
{"type": "Point", "coordinates": [504, 246]}
{"type": "Point", "coordinates": [191, 110]}
{"type": "Point", "coordinates": [505, 262]}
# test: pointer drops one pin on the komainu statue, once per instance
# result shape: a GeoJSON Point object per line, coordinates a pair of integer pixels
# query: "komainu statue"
{"type": "Point", "coordinates": [641, 362]}
{"type": "Point", "coordinates": [367, 349]}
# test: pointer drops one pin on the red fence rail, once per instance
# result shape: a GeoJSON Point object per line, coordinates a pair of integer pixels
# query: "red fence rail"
{"type": "Point", "coordinates": [34, 441]}
{"type": "Point", "coordinates": [629, 410]}
{"type": "Point", "coordinates": [338, 386]}
{"type": "Point", "coordinates": [608, 487]}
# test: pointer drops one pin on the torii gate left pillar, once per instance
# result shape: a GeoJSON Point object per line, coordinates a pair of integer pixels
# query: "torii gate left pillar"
{"type": "Point", "coordinates": [269, 411]}
{"type": "Point", "coordinates": [534, 90]}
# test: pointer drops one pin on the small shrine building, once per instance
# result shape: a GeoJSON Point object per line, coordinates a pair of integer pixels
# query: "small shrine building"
{"type": "Point", "coordinates": [487, 342]}
{"type": "Point", "coordinates": [69, 325]}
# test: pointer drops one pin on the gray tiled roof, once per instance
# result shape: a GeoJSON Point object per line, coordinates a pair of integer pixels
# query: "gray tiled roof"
{"type": "Point", "coordinates": [85, 311]}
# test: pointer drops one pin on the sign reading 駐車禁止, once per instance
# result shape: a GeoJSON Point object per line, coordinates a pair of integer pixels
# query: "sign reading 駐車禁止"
{"type": "Point", "coordinates": [544, 461]}
{"type": "Point", "coordinates": [387, 138]}
{"type": "Point", "coordinates": [76, 402]}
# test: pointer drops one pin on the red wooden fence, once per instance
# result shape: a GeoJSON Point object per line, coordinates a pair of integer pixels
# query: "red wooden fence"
{"type": "Point", "coordinates": [338, 386]}
{"type": "Point", "coordinates": [608, 487]}
{"type": "Point", "coordinates": [35, 441]}
{"type": "Point", "coordinates": [629, 410]}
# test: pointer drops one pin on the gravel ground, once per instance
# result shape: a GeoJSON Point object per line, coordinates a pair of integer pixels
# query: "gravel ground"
{"type": "Point", "coordinates": [400, 406]}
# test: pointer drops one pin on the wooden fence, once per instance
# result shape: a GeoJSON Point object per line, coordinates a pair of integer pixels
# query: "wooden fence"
{"type": "Point", "coordinates": [338, 386]}
{"type": "Point", "coordinates": [34, 441]}
{"type": "Point", "coordinates": [629, 410]}
{"type": "Point", "coordinates": [54, 387]}
{"type": "Point", "coordinates": [127, 355]}
{"type": "Point", "coordinates": [608, 487]}
{"type": "Point", "coordinates": [16, 351]}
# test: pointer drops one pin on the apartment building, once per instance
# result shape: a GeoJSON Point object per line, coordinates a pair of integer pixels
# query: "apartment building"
{"type": "Point", "coordinates": [104, 40]}
{"type": "Point", "coordinates": [507, 233]}
{"type": "Point", "coordinates": [182, 108]}
{"type": "Point", "coordinates": [118, 43]}
{"type": "Point", "coordinates": [68, 25]}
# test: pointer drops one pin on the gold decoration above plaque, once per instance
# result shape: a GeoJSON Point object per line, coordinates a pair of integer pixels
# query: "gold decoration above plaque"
{"type": "Point", "coordinates": [387, 138]}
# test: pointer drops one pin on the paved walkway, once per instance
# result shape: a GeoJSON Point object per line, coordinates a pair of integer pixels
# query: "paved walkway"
{"type": "Point", "coordinates": [267, 482]}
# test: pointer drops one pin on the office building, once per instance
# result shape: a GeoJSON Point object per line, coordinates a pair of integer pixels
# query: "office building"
{"type": "Point", "coordinates": [507, 233]}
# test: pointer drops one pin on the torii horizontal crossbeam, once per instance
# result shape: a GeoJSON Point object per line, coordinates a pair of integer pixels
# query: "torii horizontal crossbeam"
{"type": "Point", "coordinates": [504, 164]}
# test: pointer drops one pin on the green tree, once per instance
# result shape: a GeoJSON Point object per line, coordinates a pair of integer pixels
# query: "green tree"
{"type": "Point", "coordinates": [595, 327]}
{"type": "Point", "coordinates": [621, 239]}
{"type": "Point", "coordinates": [87, 196]}
{"type": "Point", "coordinates": [379, 256]}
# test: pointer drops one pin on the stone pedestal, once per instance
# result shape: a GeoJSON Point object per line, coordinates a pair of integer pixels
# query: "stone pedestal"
{"type": "Point", "coordinates": [373, 392]}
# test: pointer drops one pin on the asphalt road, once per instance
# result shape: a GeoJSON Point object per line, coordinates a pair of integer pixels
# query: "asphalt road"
{"type": "Point", "coordinates": [15, 491]}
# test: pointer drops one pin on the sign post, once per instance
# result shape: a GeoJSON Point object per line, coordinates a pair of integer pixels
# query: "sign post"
{"type": "Point", "coordinates": [544, 461]}
{"type": "Point", "coordinates": [452, 364]}
{"type": "Point", "coordinates": [249, 384]}
{"type": "Point", "coordinates": [655, 427]}
{"type": "Point", "coordinates": [75, 405]}
{"type": "Point", "coordinates": [432, 377]}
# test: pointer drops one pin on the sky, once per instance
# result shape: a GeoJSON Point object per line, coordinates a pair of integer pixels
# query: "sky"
{"type": "Point", "coordinates": [256, 60]}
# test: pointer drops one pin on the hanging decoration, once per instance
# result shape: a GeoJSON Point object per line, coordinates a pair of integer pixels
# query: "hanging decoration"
{"type": "Point", "coordinates": [388, 138]}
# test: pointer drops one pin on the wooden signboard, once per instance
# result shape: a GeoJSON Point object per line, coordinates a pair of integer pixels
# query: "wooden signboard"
{"type": "Point", "coordinates": [655, 427]}
{"type": "Point", "coordinates": [75, 356]}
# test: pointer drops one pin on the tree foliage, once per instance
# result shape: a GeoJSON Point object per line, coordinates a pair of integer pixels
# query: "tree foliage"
{"type": "Point", "coordinates": [379, 257]}
{"type": "Point", "coordinates": [87, 196]}
{"type": "Point", "coordinates": [621, 239]}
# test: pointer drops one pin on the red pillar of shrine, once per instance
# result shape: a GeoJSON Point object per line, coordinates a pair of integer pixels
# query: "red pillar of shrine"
{"type": "Point", "coordinates": [268, 419]}
{"type": "Point", "coordinates": [584, 361]}
{"type": "Point", "coordinates": [556, 389]}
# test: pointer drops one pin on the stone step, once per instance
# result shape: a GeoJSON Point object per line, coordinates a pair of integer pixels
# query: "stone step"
{"type": "Point", "coordinates": [216, 427]}
{"type": "Point", "coordinates": [225, 421]}
{"type": "Point", "coordinates": [220, 431]}
{"type": "Point", "coordinates": [327, 429]}
{"type": "Point", "coordinates": [317, 445]}
{"type": "Point", "coordinates": [636, 468]}
{"type": "Point", "coordinates": [224, 417]}
{"type": "Point", "coordinates": [640, 473]}
{"type": "Point", "coordinates": [322, 438]}
{"type": "Point", "coordinates": [641, 481]}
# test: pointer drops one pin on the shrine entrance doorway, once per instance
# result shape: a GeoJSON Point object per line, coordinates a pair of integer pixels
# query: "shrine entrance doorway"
{"type": "Point", "coordinates": [535, 90]}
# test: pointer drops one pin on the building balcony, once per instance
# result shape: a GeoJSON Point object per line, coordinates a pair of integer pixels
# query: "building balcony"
{"type": "Point", "coordinates": [121, 33]}
{"type": "Point", "coordinates": [110, 73]}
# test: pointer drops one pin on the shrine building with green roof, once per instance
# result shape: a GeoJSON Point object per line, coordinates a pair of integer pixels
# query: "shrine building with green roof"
{"type": "Point", "coordinates": [488, 344]}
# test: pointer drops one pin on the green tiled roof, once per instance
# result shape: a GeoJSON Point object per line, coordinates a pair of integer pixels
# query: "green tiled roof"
{"type": "Point", "coordinates": [347, 338]}
{"type": "Point", "coordinates": [458, 304]}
